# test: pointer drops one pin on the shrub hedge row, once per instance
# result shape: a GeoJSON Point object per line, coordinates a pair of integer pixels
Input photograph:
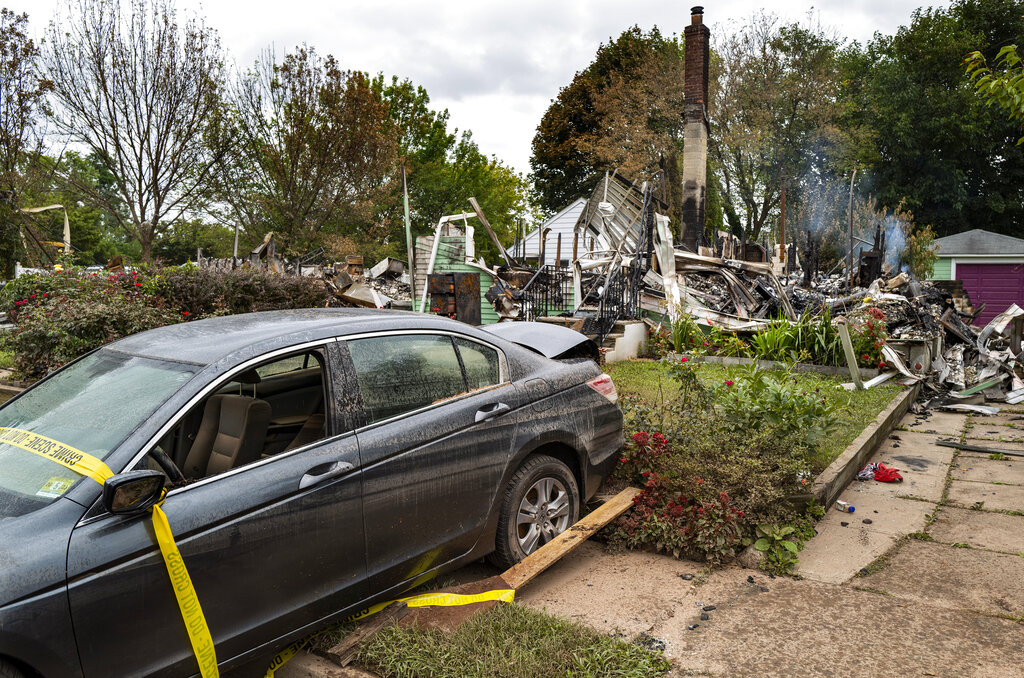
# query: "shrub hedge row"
{"type": "Point", "coordinates": [62, 315]}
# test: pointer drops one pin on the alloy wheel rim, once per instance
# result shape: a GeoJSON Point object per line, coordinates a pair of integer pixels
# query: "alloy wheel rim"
{"type": "Point", "coordinates": [543, 514]}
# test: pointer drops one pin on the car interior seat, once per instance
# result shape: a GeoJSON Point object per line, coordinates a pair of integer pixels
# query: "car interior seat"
{"type": "Point", "coordinates": [310, 432]}
{"type": "Point", "coordinates": [232, 433]}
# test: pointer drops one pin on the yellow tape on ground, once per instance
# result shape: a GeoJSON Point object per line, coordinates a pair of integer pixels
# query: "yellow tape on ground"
{"type": "Point", "coordinates": [420, 600]}
{"type": "Point", "coordinates": [188, 603]}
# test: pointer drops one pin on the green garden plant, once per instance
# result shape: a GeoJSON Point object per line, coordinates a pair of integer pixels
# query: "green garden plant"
{"type": "Point", "coordinates": [780, 551]}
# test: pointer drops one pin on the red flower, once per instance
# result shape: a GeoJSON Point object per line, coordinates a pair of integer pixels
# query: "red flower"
{"type": "Point", "coordinates": [865, 356]}
{"type": "Point", "coordinates": [699, 481]}
{"type": "Point", "coordinates": [623, 460]}
{"type": "Point", "coordinates": [683, 359]}
{"type": "Point", "coordinates": [138, 284]}
{"type": "Point", "coordinates": [881, 365]}
{"type": "Point", "coordinates": [185, 313]}
{"type": "Point", "coordinates": [33, 296]}
{"type": "Point", "coordinates": [728, 382]}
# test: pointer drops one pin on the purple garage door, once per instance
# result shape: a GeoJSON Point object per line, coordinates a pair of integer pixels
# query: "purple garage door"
{"type": "Point", "coordinates": [995, 285]}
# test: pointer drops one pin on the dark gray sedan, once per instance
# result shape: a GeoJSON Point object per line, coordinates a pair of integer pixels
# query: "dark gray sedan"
{"type": "Point", "coordinates": [316, 462]}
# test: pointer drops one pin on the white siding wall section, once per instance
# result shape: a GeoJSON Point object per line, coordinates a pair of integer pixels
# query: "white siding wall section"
{"type": "Point", "coordinates": [563, 223]}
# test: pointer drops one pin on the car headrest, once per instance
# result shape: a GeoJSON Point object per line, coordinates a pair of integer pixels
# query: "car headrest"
{"type": "Point", "coordinates": [248, 377]}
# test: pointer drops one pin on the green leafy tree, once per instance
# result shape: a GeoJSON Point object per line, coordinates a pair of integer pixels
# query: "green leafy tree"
{"type": "Point", "coordinates": [22, 102]}
{"type": "Point", "coordinates": [1005, 88]}
{"type": "Point", "coordinates": [71, 180]}
{"type": "Point", "coordinates": [624, 110]}
{"type": "Point", "coordinates": [937, 146]}
{"type": "Point", "coordinates": [181, 241]}
{"type": "Point", "coordinates": [313, 151]}
{"type": "Point", "coordinates": [444, 170]}
{"type": "Point", "coordinates": [774, 112]}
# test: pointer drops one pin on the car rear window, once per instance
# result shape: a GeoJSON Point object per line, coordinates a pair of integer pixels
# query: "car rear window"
{"type": "Point", "coordinates": [403, 373]}
{"type": "Point", "coordinates": [481, 363]}
{"type": "Point", "coordinates": [90, 406]}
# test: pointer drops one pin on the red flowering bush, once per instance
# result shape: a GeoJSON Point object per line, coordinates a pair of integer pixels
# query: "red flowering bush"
{"type": "Point", "coordinates": [53, 329]}
{"type": "Point", "coordinates": [869, 335]}
{"type": "Point", "coordinates": [704, 488]}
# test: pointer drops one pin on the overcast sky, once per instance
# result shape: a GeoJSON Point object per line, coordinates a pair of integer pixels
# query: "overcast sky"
{"type": "Point", "coordinates": [494, 66]}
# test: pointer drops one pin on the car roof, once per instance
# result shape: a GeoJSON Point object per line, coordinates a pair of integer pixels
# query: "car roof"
{"type": "Point", "coordinates": [206, 341]}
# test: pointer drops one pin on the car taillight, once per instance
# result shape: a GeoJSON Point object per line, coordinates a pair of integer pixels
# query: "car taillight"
{"type": "Point", "coordinates": [605, 386]}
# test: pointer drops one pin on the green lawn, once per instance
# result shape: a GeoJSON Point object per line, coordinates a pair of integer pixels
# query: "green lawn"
{"type": "Point", "coordinates": [647, 378]}
{"type": "Point", "coordinates": [508, 641]}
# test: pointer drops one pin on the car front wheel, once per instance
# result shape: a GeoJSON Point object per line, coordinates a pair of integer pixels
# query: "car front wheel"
{"type": "Point", "coordinates": [541, 501]}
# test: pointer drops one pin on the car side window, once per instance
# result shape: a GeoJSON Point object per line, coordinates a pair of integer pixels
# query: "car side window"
{"type": "Point", "coordinates": [401, 373]}
{"type": "Point", "coordinates": [269, 409]}
{"type": "Point", "coordinates": [481, 363]}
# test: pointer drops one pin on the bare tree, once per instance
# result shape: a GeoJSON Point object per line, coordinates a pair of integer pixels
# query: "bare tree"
{"type": "Point", "coordinates": [22, 101]}
{"type": "Point", "coordinates": [774, 107]}
{"type": "Point", "coordinates": [315, 149]}
{"type": "Point", "coordinates": [142, 92]}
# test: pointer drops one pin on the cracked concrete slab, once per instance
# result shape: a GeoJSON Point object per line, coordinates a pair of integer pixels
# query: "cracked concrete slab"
{"type": "Point", "coordinates": [811, 629]}
{"type": "Point", "coordinates": [980, 529]}
{"type": "Point", "coordinates": [626, 592]}
{"type": "Point", "coordinates": [955, 578]}
{"type": "Point", "coordinates": [982, 469]}
{"type": "Point", "coordinates": [1001, 497]}
{"type": "Point", "coordinates": [769, 633]}
{"type": "Point", "coordinates": [943, 423]}
{"type": "Point", "coordinates": [982, 431]}
{"type": "Point", "coordinates": [855, 545]}
{"type": "Point", "coordinates": [1004, 418]}
{"type": "Point", "coordinates": [837, 553]}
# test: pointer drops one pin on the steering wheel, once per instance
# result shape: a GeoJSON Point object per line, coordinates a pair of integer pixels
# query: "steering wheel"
{"type": "Point", "coordinates": [167, 465]}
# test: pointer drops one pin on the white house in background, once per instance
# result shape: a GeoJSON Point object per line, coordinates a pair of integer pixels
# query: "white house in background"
{"type": "Point", "coordinates": [563, 222]}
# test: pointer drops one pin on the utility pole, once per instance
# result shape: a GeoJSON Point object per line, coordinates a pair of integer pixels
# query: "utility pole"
{"type": "Point", "coordinates": [410, 249]}
{"type": "Point", "coordinates": [849, 257]}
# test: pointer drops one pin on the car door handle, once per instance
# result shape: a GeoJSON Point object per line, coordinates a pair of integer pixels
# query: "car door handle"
{"type": "Point", "coordinates": [490, 411]}
{"type": "Point", "coordinates": [315, 476]}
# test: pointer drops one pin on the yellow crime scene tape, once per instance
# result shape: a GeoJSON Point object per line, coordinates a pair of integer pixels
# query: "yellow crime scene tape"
{"type": "Point", "coordinates": [188, 602]}
{"type": "Point", "coordinates": [420, 600]}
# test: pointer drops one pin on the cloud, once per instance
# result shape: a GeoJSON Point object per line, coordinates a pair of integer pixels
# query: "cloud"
{"type": "Point", "coordinates": [494, 65]}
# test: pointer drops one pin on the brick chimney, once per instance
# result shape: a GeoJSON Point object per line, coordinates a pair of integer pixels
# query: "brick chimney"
{"type": "Point", "coordinates": [695, 131]}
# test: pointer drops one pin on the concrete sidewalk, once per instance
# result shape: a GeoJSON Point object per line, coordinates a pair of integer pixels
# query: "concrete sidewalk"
{"type": "Point", "coordinates": [943, 594]}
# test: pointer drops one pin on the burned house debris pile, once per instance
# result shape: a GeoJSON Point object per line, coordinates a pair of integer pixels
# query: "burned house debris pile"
{"type": "Point", "coordinates": [624, 264]}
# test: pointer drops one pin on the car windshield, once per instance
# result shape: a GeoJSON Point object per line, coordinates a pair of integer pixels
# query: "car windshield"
{"type": "Point", "coordinates": [91, 406]}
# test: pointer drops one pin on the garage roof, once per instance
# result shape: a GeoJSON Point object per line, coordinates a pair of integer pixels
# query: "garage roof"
{"type": "Point", "coordinates": [978, 241]}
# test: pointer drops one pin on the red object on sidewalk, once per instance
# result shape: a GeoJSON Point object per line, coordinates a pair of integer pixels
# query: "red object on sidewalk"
{"type": "Point", "coordinates": [888, 475]}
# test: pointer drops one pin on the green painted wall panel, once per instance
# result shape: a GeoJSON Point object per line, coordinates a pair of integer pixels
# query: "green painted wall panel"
{"type": "Point", "coordinates": [943, 269]}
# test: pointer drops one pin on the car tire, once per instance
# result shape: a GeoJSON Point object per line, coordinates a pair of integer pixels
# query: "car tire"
{"type": "Point", "coordinates": [8, 670]}
{"type": "Point", "coordinates": [541, 501]}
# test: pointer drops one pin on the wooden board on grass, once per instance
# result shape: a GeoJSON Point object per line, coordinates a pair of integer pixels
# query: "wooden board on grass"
{"type": "Point", "coordinates": [532, 565]}
{"type": "Point", "coordinates": [345, 651]}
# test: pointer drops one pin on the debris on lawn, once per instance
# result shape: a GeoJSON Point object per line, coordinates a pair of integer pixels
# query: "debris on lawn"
{"type": "Point", "coordinates": [626, 263]}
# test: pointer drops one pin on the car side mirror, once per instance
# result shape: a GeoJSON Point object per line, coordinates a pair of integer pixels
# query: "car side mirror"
{"type": "Point", "coordinates": [133, 492]}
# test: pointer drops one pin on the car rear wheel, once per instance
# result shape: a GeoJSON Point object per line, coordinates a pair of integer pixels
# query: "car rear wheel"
{"type": "Point", "coordinates": [541, 501]}
{"type": "Point", "coordinates": [8, 670]}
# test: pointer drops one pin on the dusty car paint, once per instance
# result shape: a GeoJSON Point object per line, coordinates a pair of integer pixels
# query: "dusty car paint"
{"type": "Point", "coordinates": [85, 592]}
